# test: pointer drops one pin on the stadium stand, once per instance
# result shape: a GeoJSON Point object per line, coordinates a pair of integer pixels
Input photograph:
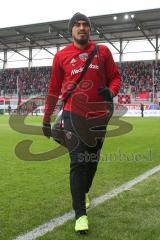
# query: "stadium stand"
{"type": "Point", "coordinates": [137, 77]}
{"type": "Point", "coordinates": [32, 81]}
{"type": "Point", "coordinates": [140, 79]}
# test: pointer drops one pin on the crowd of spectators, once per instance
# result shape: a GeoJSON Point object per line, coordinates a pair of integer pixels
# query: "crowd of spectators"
{"type": "Point", "coordinates": [136, 77]}
{"type": "Point", "coordinates": [32, 81]}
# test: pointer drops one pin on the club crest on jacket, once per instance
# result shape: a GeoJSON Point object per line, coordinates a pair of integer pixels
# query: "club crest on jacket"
{"type": "Point", "coordinates": [83, 56]}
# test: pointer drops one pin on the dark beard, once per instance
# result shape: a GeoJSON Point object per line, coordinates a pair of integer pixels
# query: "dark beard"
{"type": "Point", "coordinates": [83, 41]}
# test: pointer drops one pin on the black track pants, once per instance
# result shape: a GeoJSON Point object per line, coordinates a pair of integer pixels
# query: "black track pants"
{"type": "Point", "coordinates": [84, 159]}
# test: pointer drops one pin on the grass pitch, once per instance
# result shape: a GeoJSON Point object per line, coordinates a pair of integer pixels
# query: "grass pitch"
{"type": "Point", "coordinates": [33, 192]}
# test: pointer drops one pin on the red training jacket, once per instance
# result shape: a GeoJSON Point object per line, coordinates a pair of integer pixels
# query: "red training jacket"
{"type": "Point", "coordinates": [67, 67]}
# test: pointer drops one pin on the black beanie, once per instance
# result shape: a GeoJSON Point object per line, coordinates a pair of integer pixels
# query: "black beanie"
{"type": "Point", "coordinates": [77, 17]}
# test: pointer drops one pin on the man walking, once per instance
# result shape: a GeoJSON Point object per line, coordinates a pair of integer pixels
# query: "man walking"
{"type": "Point", "coordinates": [86, 111]}
{"type": "Point", "coordinates": [142, 110]}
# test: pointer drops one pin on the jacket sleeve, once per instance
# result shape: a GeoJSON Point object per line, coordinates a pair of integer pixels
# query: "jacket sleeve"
{"type": "Point", "coordinates": [54, 89]}
{"type": "Point", "coordinates": [112, 74]}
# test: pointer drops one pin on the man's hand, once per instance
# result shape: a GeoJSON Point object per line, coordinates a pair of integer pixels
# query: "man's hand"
{"type": "Point", "coordinates": [46, 129]}
{"type": "Point", "coordinates": [106, 94]}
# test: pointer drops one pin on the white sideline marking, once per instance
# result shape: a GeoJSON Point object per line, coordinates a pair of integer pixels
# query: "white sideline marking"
{"type": "Point", "coordinates": [56, 222]}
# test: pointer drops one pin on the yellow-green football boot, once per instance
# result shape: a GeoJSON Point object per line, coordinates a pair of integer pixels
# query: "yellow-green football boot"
{"type": "Point", "coordinates": [81, 225]}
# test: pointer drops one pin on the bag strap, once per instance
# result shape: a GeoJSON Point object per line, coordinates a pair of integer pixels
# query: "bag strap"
{"type": "Point", "coordinates": [82, 74]}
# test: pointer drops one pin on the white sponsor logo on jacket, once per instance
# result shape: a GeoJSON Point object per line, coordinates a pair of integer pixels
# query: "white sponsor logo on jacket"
{"type": "Point", "coordinates": [75, 71]}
